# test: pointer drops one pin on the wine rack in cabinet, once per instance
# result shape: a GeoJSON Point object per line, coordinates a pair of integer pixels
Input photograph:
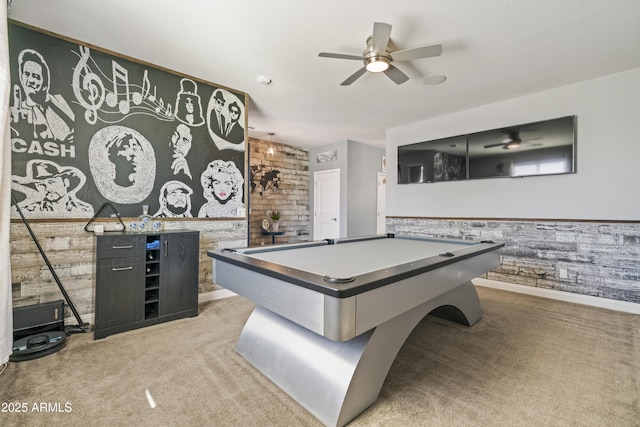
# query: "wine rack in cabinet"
{"type": "Point", "coordinates": [152, 277]}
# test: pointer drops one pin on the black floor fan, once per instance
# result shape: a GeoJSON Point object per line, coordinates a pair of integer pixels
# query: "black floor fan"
{"type": "Point", "coordinates": [44, 343]}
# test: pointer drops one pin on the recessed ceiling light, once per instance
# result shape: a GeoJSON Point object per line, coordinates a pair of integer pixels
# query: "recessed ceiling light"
{"type": "Point", "coordinates": [435, 80]}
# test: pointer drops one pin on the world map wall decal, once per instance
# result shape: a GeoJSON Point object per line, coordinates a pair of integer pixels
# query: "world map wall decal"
{"type": "Point", "coordinates": [264, 179]}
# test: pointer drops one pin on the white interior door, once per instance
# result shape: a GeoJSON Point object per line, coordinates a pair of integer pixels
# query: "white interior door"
{"type": "Point", "coordinates": [326, 204]}
{"type": "Point", "coordinates": [381, 214]}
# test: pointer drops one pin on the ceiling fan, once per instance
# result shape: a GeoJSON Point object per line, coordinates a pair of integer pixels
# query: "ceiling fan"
{"type": "Point", "coordinates": [512, 141]}
{"type": "Point", "coordinates": [377, 57]}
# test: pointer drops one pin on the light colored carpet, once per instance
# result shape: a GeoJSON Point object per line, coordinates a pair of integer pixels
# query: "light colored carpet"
{"type": "Point", "coordinates": [528, 362]}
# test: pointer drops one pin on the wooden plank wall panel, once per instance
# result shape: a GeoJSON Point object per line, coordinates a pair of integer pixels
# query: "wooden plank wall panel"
{"type": "Point", "coordinates": [71, 251]}
{"type": "Point", "coordinates": [291, 196]}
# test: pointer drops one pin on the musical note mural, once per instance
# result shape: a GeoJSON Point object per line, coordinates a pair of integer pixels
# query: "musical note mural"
{"type": "Point", "coordinates": [108, 128]}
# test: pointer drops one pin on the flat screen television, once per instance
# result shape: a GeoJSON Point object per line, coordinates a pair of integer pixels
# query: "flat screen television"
{"type": "Point", "coordinates": [439, 160]}
{"type": "Point", "coordinates": [541, 148]}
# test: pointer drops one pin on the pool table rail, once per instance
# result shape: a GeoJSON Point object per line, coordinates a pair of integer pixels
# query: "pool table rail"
{"type": "Point", "coordinates": [344, 287]}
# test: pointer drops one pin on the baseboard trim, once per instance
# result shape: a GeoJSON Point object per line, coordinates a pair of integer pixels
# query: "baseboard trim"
{"type": "Point", "coordinates": [627, 307]}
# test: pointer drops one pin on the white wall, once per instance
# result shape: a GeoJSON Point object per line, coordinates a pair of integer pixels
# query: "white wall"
{"type": "Point", "coordinates": [605, 187]}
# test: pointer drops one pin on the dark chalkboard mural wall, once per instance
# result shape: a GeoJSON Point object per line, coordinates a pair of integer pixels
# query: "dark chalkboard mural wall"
{"type": "Point", "coordinates": [89, 128]}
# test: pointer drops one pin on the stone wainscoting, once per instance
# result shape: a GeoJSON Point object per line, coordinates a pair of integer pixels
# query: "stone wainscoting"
{"type": "Point", "coordinates": [595, 258]}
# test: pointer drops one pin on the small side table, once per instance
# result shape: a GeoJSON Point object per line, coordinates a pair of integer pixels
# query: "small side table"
{"type": "Point", "coordinates": [273, 235]}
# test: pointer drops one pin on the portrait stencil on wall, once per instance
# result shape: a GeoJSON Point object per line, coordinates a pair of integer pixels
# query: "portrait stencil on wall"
{"type": "Point", "coordinates": [90, 127]}
{"type": "Point", "coordinates": [174, 200]}
{"type": "Point", "coordinates": [226, 117]}
{"type": "Point", "coordinates": [188, 105]}
{"type": "Point", "coordinates": [181, 144]}
{"type": "Point", "coordinates": [222, 185]}
{"type": "Point", "coordinates": [123, 164]}
{"type": "Point", "coordinates": [50, 189]}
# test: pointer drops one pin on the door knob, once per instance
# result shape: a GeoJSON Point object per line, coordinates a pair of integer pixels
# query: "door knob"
{"type": "Point", "coordinates": [334, 219]}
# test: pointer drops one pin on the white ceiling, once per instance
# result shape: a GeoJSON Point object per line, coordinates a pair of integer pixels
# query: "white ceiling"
{"type": "Point", "coordinates": [492, 50]}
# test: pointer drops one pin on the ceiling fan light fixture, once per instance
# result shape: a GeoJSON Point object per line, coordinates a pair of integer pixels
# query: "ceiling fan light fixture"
{"type": "Point", "coordinates": [512, 145]}
{"type": "Point", "coordinates": [376, 64]}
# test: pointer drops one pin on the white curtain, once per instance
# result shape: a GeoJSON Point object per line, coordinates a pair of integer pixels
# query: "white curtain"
{"type": "Point", "coordinates": [6, 313]}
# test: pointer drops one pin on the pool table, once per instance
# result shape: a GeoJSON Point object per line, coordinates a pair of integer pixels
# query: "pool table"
{"type": "Point", "coordinates": [331, 315]}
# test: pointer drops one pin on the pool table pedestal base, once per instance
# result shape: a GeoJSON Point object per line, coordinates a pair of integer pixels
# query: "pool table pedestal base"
{"type": "Point", "coordinates": [336, 381]}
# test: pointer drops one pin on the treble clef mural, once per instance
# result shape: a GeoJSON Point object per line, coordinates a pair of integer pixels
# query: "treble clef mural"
{"type": "Point", "coordinates": [86, 83]}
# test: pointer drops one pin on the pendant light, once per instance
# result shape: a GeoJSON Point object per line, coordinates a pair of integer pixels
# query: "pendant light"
{"type": "Point", "coordinates": [271, 151]}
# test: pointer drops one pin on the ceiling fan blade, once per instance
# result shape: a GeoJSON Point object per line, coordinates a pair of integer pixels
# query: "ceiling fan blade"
{"type": "Point", "coordinates": [353, 77]}
{"type": "Point", "coordinates": [380, 38]}
{"type": "Point", "coordinates": [396, 75]}
{"type": "Point", "coordinates": [495, 145]}
{"type": "Point", "coordinates": [417, 53]}
{"type": "Point", "coordinates": [339, 56]}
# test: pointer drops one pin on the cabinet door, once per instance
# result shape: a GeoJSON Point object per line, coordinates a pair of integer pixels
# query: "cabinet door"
{"type": "Point", "coordinates": [179, 273]}
{"type": "Point", "coordinates": [118, 292]}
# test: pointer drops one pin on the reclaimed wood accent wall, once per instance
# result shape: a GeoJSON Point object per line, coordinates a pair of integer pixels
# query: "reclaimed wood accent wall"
{"type": "Point", "coordinates": [278, 182]}
{"type": "Point", "coordinates": [595, 258]}
{"type": "Point", "coordinates": [71, 251]}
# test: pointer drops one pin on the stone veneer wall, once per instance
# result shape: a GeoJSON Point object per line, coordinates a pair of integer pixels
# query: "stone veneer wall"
{"type": "Point", "coordinates": [291, 197]}
{"type": "Point", "coordinates": [584, 257]}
